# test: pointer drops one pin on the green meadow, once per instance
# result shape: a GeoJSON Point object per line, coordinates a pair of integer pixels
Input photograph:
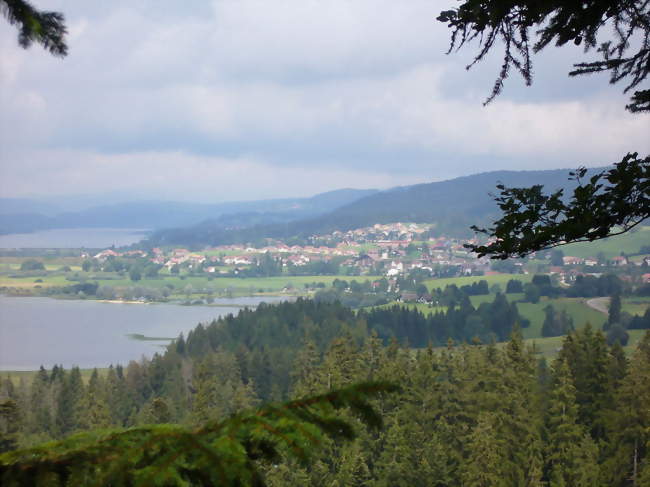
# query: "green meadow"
{"type": "Point", "coordinates": [549, 347]}
{"type": "Point", "coordinates": [629, 243]}
{"type": "Point", "coordinates": [576, 308]}
{"type": "Point", "coordinates": [636, 305]}
{"type": "Point", "coordinates": [500, 279]}
{"type": "Point", "coordinates": [180, 284]}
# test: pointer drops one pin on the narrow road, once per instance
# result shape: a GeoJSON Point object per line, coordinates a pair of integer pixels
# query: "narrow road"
{"type": "Point", "coordinates": [599, 304]}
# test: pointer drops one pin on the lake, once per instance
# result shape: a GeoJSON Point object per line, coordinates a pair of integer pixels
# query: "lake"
{"type": "Point", "coordinates": [37, 331]}
{"type": "Point", "coordinates": [72, 238]}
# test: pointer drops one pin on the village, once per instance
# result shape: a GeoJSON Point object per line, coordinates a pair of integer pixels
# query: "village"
{"type": "Point", "coordinates": [389, 250]}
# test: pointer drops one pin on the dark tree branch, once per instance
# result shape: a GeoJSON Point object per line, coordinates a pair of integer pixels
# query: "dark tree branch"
{"type": "Point", "coordinates": [45, 28]}
{"type": "Point", "coordinates": [561, 21]}
{"type": "Point", "coordinates": [609, 203]}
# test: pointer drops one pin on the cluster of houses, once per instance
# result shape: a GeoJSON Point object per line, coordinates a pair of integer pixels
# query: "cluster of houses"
{"type": "Point", "coordinates": [388, 249]}
{"type": "Point", "coordinates": [391, 250]}
{"type": "Point", "coordinates": [575, 266]}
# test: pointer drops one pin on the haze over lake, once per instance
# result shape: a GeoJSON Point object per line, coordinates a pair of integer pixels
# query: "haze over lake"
{"type": "Point", "coordinates": [68, 238]}
{"type": "Point", "coordinates": [37, 331]}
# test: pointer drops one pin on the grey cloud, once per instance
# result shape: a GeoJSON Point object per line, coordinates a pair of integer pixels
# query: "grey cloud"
{"type": "Point", "coordinates": [360, 89]}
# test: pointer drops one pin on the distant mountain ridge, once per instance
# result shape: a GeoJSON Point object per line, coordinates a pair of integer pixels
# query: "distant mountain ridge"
{"type": "Point", "coordinates": [452, 205]}
{"type": "Point", "coordinates": [166, 214]}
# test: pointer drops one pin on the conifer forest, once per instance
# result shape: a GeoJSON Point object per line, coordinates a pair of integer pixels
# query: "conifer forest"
{"type": "Point", "coordinates": [457, 414]}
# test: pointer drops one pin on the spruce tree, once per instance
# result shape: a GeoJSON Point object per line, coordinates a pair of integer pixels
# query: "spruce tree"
{"type": "Point", "coordinates": [352, 468]}
{"type": "Point", "coordinates": [486, 465]}
{"type": "Point", "coordinates": [119, 402]}
{"type": "Point", "coordinates": [614, 312]}
{"type": "Point", "coordinates": [519, 420]}
{"type": "Point", "coordinates": [586, 353]}
{"type": "Point", "coordinates": [39, 416]}
{"type": "Point", "coordinates": [69, 402]}
{"type": "Point", "coordinates": [618, 366]}
{"type": "Point", "coordinates": [340, 364]}
{"type": "Point", "coordinates": [205, 401]}
{"type": "Point", "coordinates": [9, 424]}
{"type": "Point", "coordinates": [95, 412]}
{"type": "Point", "coordinates": [630, 423]}
{"type": "Point", "coordinates": [413, 455]}
{"type": "Point", "coordinates": [287, 473]}
{"type": "Point", "coordinates": [304, 376]}
{"type": "Point", "coordinates": [568, 458]}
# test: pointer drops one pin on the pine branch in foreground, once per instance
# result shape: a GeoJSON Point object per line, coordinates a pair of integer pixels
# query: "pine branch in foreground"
{"type": "Point", "coordinates": [226, 452]}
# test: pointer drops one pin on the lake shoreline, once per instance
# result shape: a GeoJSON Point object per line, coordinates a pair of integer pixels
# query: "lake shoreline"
{"type": "Point", "coordinates": [169, 302]}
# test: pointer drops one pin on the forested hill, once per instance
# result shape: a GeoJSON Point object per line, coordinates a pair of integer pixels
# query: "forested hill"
{"type": "Point", "coordinates": [17, 216]}
{"type": "Point", "coordinates": [453, 205]}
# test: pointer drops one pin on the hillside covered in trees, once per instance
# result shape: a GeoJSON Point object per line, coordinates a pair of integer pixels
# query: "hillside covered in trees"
{"type": "Point", "coordinates": [453, 206]}
{"type": "Point", "coordinates": [24, 215]}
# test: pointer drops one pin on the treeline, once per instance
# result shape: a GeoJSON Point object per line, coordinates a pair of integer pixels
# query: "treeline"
{"type": "Point", "coordinates": [463, 323]}
{"type": "Point", "coordinates": [135, 268]}
{"type": "Point", "coordinates": [357, 294]}
{"type": "Point", "coordinates": [584, 286]}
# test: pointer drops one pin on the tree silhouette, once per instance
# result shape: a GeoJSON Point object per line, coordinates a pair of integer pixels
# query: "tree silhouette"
{"type": "Point", "coordinates": [46, 28]}
{"type": "Point", "coordinates": [610, 202]}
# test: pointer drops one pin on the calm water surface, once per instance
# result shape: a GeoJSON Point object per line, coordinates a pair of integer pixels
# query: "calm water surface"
{"type": "Point", "coordinates": [72, 238]}
{"type": "Point", "coordinates": [45, 331]}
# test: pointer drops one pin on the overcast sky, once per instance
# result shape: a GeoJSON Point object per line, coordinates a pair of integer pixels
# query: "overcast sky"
{"type": "Point", "coordinates": [249, 99]}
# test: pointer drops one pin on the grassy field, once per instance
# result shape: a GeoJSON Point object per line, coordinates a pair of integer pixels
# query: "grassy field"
{"type": "Point", "coordinates": [31, 282]}
{"type": "Point", "coordinates": [261, 284]}
{"type": "Point", "coordinates": [500, 279]}
{"type": "Point", "coordinates": [630, 243]}
{"type": "Point", "coordinates": [576, 308]}
{"type": "Point", "coordinates": [636, 305]}
{"type": "Point", "coordinates": [181, 283]}
{"type": "Point", "coordinates": [549, 347]}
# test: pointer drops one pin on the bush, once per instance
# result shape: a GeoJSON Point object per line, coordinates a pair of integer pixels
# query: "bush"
{"type": "Point", "coordinates": [514, 286]}
{"type": "Point", "coordinates": [643, 290]}
{"type": "Point", "coordinates": [135, 274]}
{"type": "Point", "coordinates": [640, 322]}
{"type": "Point", "coordinates": [32, 265]}
{"type": "Point", "coordinates": [532, 293]}
{"type": "Point", "coordinates": [617, 334]}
